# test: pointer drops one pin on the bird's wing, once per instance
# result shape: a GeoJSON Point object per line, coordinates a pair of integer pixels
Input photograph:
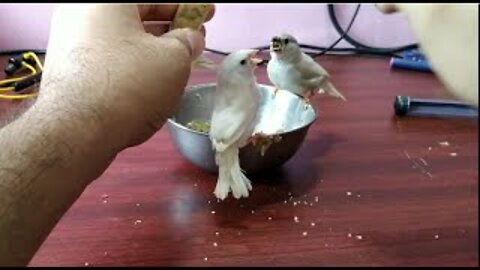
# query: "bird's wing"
{"type": "Point", "coordinates": [311, 72]}
{"type": "Point", "coordinates": [230, 120]}
{"type": "Point", "coordinates": [315, 76]}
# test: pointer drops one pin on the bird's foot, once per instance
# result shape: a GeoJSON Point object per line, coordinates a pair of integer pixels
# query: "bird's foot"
{"type": "Point", "coordinates": [257, 138]}
{"type": "Point", "coordinates": [264, 141]}
{"type": "Point", "coordinates": [307, 98]}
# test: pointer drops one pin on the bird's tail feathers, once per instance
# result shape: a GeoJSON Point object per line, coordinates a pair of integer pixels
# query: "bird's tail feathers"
{"type": "Point", "coordinates": [230, 175]}
{"type": "Point", "coordinates": [331, 90]}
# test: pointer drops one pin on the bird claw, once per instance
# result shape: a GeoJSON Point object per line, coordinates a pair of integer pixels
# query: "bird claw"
{"type": "Point", "coordinates": [264, 141]}
{"type": "Point", "coordinates": [307, 97]}
{"type": "Point", "coordinates": [257, 137]}
{"type": "Point", "coordinates": [307, 103]}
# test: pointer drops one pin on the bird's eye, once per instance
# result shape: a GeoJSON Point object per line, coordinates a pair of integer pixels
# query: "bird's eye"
{"type": "Point", "coordinates": [286, 41]}
{"type": "Point", "coordinates": [243, 62]}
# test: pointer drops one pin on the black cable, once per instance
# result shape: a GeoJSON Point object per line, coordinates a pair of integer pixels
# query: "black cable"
{"type": "Point", "coordinates": [27, 82]}
{"type": "Point", "coordinates": [12, 52]}
{"type": "Point", "coordinates": [342, 35]}
{"type": "Point", "coordinates": [323, 50]}
{"type": "Point", "coordinates": [312, 48]}
{"type": "Point", "coordinates": [333, 18]}
{"type": "Point", "coordinates": [216, 51]}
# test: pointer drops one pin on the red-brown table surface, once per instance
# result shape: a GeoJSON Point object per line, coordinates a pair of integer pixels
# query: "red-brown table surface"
{"type": "Point", "coordinates": [368, 190]}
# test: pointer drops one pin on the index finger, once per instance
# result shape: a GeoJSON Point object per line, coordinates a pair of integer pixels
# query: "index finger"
{"type": "Point", "coordinates": [163, 12]}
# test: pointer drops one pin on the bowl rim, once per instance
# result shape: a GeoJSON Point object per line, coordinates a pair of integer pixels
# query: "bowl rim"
{"type": "Point", "coordinates": [170, 120]}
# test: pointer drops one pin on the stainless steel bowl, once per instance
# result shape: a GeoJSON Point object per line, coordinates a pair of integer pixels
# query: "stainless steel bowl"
{"type": "Point", "coordinates": [284, 115]}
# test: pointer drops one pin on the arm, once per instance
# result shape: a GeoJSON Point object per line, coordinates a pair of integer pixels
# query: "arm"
{"type": "Point", "coordinates": [109, 86]}
{"type": "Point", "coordinates": [47, 158]}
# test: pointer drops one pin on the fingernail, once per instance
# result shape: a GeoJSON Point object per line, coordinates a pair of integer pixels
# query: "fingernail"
{"type": "Point", "coordinates": [196, 42]}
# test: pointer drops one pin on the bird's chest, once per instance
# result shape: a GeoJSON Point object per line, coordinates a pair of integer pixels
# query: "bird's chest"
{"type": "Point", "coordinates": [284, 76]}
{"type": "Point", "coordinates": [240, 97]}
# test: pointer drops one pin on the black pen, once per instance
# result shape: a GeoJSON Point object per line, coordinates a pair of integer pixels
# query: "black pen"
{"type": "Point", "coordinates": [408, 106]}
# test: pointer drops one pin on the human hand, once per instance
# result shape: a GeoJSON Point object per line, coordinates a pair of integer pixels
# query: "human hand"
{"type": "Point", "coordinates": [104, 68]}
{"type": "Point", "coordinates": [448, 35]}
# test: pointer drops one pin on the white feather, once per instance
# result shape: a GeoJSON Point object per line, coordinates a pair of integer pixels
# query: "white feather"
{"type": "Point", "coordinates": [236, 104]}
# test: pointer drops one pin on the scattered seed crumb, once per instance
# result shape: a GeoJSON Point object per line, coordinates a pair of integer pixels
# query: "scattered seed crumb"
{"type": "Point", "coordinates": [305, 233]}
{"type": "Point", "coordinates": [239, 233]}
{"type": "Point", "coordinates": [359, 237]}
{"type": "Point", "coordinates": [444, 143]}
{"type": "Point", "coordinates": [215, 244]}
{"type": "Point", "coordinates": [195, 184]}
{"type": "Point", "coordinates": [453, 154]}
{"type": "Point", "coordinates": [138, 221]}
{"type": "Point", "coordinates": [105, 201]}
{"type": "Point", "coordinates": [295, 218]}
{"type": "Point", "coordinates": [326, 245]}
{"type": "Point", "coordinates": [269, 218]}
{"type": "Point", "coordinates": [285, 202]}
{"type": "Point", "coordinates": [137, 205]}
{"type": "Point", "coordinates": [213, 212]}
{"type": "Point", "coordinates": [253, 212]}
{"type": "Point", "coordinates": [289, 194]}
{"type": "Point", "coordinates": [209, 201]}
{"type": "Point", "coordinates": [423, 161]}
{"type": "Point", "coordinates": [311, 204]}
{"type": "Point", "coordinates": [330, 229]}
{"type": "Point", "coordinates": [349, 235]}
{"type": "Point", "coordinates": [316, 198]}
{"type": "Point", "coordinates": [205, 259]}
{"type": "Point", "coordinates": [406, 154]}
{"type": "Point", "coordinates": [105, 253]}
{"type": "Point", "coordinates": [217, 233]}
{"type": "Point", "coordinates": [312, 224]}
{"type": "Point", "coordinates": [358, 195]}
{"type": "Point", "coordinates": [305, 202]}
{"type": "Point", "coordinates": [429, 175]}
{"type": "Point", "coordinates": [436, 236]}
{"type": "Point", "coordinates": [429, 148]}
{"type": "Point", "coordinates": [218, 200]}
{"type": "Point", "coordinates": [87, 264]}
{"type": "Point", "coordinates": [294, 203]}
{"type": "Point", "coordinates": [349, 193]}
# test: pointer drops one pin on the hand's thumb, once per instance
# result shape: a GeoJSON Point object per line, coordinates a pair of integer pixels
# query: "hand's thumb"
{"type": "Point", "coordinates": [192, 40]}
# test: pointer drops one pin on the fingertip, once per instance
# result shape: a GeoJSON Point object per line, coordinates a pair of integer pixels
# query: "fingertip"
{"type": "Point", "coordinates": [197, 43]}
{"type": "Point", "coordinates": [193, 40]}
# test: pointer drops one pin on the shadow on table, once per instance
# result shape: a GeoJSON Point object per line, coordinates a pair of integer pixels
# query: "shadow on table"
{"type": "Point", "coordinates": [296, 178]}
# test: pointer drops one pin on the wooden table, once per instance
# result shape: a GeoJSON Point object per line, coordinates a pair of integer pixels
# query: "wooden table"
{"type": "Point", "coordinates": [365, 189]}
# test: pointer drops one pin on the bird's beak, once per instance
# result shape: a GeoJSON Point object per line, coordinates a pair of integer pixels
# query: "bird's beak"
{"type": "Point", "coordinates": [276, 44]}
{"type": "Point", "coordinates": [255, 61]}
